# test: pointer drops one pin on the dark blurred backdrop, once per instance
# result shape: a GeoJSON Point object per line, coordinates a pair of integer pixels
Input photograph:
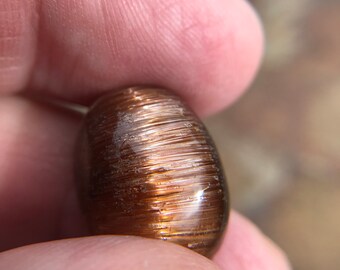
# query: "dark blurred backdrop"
{"type": "Point", "coordinates": [280, 144]}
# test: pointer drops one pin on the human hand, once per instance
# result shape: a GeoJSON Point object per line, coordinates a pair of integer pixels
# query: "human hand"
{"type": "Point", "coordinates": [206, 51]}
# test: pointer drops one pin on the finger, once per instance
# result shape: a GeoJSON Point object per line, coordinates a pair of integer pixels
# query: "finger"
{"type": "Point", "coordinates": [207, 51]}
{"type": "Point", "coordinates": [245, 247]}
{"type": "Point", "coordinates": [37, 196]}
{"type": "Point", "coordinates": [116, 252]}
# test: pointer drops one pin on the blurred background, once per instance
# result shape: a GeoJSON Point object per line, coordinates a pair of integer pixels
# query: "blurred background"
{"type": "Point", "coordinates": [280, 144]}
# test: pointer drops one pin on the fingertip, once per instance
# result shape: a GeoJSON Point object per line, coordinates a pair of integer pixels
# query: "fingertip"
{"type": "Point", "coordinates": [245, 247]}
{"type": "Point", "coordinates": [206, 51]}
{"type": "Point", "coordinates": [104, 252]}
{"type": "Point", "coordinates": [248, 48]}
{"type": "Point", "coordinates": [236, 62]}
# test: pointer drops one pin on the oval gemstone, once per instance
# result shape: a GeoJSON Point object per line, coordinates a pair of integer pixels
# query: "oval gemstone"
{"type": "Point", "coordinates": [147, 166]}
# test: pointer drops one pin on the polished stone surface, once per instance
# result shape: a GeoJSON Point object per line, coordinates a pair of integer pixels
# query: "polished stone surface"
{"type": "Point", "coordinates": [148, 167]}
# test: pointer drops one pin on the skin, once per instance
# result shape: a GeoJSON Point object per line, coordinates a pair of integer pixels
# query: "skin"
{"type": "Point", "coordinates": [206, 51]}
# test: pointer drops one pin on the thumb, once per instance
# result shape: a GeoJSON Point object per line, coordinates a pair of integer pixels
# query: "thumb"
{"type": "Point", "coordinates": [104, 252]}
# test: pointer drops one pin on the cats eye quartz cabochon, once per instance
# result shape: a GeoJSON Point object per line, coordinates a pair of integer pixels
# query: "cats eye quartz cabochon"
{"type": "Point", "coordinates": [146, 166]}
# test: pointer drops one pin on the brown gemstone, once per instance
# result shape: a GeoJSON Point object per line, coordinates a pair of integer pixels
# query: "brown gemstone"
{"type": "Point", "coordinates": [147, 166]}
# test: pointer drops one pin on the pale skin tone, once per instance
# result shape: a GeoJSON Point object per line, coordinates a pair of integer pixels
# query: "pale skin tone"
{"type": "Point", "coordinates": [206, 51]}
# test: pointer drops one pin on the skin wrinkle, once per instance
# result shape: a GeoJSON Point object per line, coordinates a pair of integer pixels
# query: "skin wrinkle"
{"type": "Point", "coordinates": [108, 21]}
{"type": "Point", "coordinates": [128, 34]}
{"type": "Point", "coordinates": [9, 35]}
{"type": "Point", "coordinates": [101, 244]}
